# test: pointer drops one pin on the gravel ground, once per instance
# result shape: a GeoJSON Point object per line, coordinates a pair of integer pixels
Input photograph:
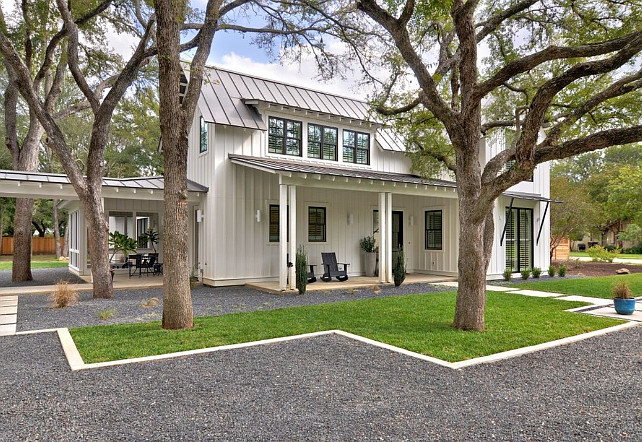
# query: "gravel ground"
{"type": "Point", "coordinates": [41, 277]}
{"type": "Point", "coordinates": [35, 312]}
{"type": "Point", "coordinates": [326, 388]}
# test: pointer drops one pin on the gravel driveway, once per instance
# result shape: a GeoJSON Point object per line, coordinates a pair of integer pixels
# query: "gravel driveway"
{"type": "Point", "coordinates": [326, 388]}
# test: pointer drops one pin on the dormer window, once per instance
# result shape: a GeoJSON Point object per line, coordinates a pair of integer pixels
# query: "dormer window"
{"type": "Point", "coordinates": [322, 142]}
{"type": "Point", "coordinates": [356, 147]}
{"type": "Point", "coordinates": [204, 132]}
{"type": "Point", "coordinates": [284, 136]}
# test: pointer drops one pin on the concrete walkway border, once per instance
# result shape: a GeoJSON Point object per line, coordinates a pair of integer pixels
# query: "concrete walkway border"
{"type": "Point", "coordinates": [76, 362]}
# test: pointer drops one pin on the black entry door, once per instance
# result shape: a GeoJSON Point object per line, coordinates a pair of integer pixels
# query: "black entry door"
{"type": "Point", "coordinates": [397, 233]}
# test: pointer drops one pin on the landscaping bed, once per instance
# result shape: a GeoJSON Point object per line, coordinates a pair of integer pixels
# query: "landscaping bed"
{"type": "Point", "coordinates": [590, 268]}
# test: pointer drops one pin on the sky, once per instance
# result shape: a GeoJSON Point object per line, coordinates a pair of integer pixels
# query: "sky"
{"type": "Point", "coordinates": [234, 51]}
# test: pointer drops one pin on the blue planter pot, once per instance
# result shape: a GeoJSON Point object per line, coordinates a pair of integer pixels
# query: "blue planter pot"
{"type": "Point", "coordinates": [624, 306]}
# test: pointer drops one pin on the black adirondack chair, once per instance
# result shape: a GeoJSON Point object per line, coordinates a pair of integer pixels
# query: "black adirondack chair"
{"type": "Point", "coordinates": [331, 268]}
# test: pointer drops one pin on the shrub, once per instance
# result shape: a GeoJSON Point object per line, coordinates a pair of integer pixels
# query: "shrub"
{"type": "Point", "coordinates": [610, 247]}
{"type": "Point", "coordinates": [508, 273]}
{"type": "Point", "coordinates": [599, 253]}
{"type": "Point", "coordinates": [551, 270]}
{"type": "Point", "coordinates": [399, 269]}
{"type": "Point", "coordinates": [367, 244]}
{"type": "Point", "coordinates": [621, 290]}
{"type": "Point", "coordinates": [63, 296]}
{"type": "Point", "coordinates": [301, 269]}
{"type": "Point", "coordinates": [561, 271]}
{"type": "Point", "coordinates": [525, 274]}
{"type": "Point", "coordinates": [536, 272]}
{"type": "Point", "coordinates": [105, 315]}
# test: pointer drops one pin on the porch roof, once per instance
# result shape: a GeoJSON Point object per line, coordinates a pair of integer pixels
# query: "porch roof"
{"type": "Point", "coordinates": [291, 168]}
{"type": "Point", "coordinates": [305, 170]}
{"type": "Point", "coordinates": [15, 183]}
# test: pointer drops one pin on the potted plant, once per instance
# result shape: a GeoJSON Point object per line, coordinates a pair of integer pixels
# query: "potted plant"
{"type": "Point", "coordinates": [623, 302]}
{"type": "Point", "coordinates": [368, 246]}
{"type": "Point", "coordinates": [121, 244]}
{"type": "Point", "coordinates": [149, 237]}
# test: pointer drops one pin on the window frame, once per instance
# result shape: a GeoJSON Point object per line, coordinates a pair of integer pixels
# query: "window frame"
{"type": "Point", "coordinates": [204, 136]}
{"type": "Point", "coordinates": [355, 147]}
{"type": "Point", "coordinates": [324, 224]}
{"type": "Point", "coordinates": [427, 230]}
{"type": "Point", "coordinates": [285, 138]}
{"type": "Point", "coordinates": [322, 142]}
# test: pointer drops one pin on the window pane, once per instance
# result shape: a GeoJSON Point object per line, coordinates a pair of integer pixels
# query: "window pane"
{"type": "Point", "coordinates": [362, 156]}
{"type": "Point", "coordinates": [330, 135]}
{"type": "Point", "coordinates": [348, 154]}
{"type": "Point", "coordinates": [204, 129]}
{"type": "Point", "coordinates": [363, 141]}
{"type": "Point", "coordinates": [274, 223]}
{"type": "Point", "coordinates": [276, 126]}
{"type": "Point", "coordinates": [314, 150]}
{"type": "Point", "coordinates": [434, 233]}
{"type": "Point", "coordinates": [316, 224]}
{"type": "Point", "coordinates": [292, 146]}
{"type": "Point", "coordinates": [348, 138]}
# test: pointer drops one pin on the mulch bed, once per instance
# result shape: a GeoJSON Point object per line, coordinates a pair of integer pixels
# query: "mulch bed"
{"type": "Point", "coordinates": [588, 268]}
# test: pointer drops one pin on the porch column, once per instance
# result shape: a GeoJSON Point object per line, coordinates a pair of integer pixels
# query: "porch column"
{"type": "Point", "coordinates": [283, 236]}
{"type": "Point", "coordinates": [389, 237]}
{"type": "Point", "coordinates": [291, 272]}
{"type": "Point", "coordinates": [383, 234]}
{"type": "Point", "coordinates": [83, 245]}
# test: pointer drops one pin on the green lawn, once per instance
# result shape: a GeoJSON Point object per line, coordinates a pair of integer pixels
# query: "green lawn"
{"type": "Point", "coordinates": [594, 287]}
{"type": "Point", "coordinates": [44, 262]}
{"type": "Point", "coordinates": [620, 256]}
{"type": "Point", "coordinates": [420, 323]}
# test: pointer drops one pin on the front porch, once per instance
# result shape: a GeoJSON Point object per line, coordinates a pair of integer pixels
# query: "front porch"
{"type": "Point", "coordinates": [355, 282]}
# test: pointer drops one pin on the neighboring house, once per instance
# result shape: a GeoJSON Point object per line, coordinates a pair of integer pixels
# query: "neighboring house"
{"type": "Point", "coordinates": [289, 166]}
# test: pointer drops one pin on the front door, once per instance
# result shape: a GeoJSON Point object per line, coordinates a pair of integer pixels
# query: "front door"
{"type": "Point", "coordinates": [397, 234]}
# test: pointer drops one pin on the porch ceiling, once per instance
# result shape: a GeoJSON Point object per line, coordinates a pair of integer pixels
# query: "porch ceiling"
{"type": "Point", "coordinates": [18, 184]}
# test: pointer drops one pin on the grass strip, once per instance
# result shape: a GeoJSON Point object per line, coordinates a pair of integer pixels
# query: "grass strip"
{"type": "Point", "coordinates": [620, 256]}
{"type": "Point", "coordinates": [420, 323]}
{"type": "Point", "coordinates": [599, 287]}
{"type": "Point", "coordinates": [8, 265]}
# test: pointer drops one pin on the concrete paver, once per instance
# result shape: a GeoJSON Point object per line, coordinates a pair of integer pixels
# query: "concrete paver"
{"type": "Point", "coordinates": [7, 329]}
{"type": "Point", "coordinates": [490, 288]}
{"type": "Point", "coordinates": [8, 310]}
{"type": "Point", "coordinates": [594, 301]}
{"type": "Point", "coordinates": [537, 293]}
{"type": "Point", "coordinates": [8, 319]}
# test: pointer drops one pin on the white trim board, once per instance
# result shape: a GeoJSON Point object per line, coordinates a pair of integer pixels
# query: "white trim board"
{"type": "Point", "coordinates": [76, 363]}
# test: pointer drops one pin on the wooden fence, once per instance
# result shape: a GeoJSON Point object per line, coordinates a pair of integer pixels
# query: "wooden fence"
{"type": "Point", "coordinates": [563, 251]}
{"type": "Point", "coordinates": [39, 246]}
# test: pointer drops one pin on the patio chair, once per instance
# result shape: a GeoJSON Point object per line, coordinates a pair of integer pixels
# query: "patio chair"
{"type": "Point", "coordinates": [147, 265]}
{"type": "Point", "coordinates": [331, 268]}
{"type": "Point", "coordinates": [132, 264]}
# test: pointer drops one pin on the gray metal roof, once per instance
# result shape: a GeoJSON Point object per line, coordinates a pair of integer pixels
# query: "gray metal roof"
{"type": "Point", "coordinates": [272, 165]}
{"type": "Point", "coordinates": [226, 97]}
{"type": "Point", "coordinates": [144, 183]}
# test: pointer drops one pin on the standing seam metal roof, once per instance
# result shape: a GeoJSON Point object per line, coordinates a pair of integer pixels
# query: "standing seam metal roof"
{"type": "Point", "coordinates": [225, 92]}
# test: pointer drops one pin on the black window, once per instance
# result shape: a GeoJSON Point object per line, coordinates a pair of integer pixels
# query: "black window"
{"type": "Point", "coordinates": [274, 234]}
{"type": "Point", "coordinates": [316, 224]}
{"type": "Point", "coordinates": [284, 136]}
{"type": "Point", "coordinates": [322, 142]}
{"type": "Point", "coordinates": [519, 239]}
{"type": "Point", "coordinates": [203, 135]}
{"type": "Point", "coordinates": [356, 147]}
{"type": "Point", "coordinates": [434, 232]}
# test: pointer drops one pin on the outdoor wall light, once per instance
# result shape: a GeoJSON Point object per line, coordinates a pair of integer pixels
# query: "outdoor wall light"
{"type": "Point", "coordinates": [412, 220]}
{"type": "Point", "coordinates": [258, 216]}
{"type": "Point", "coordinates": [350, 219]}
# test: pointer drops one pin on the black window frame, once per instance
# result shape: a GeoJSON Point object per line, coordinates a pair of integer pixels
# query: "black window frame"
{"type": "Point", "coordinates": [284, 138]}
{"type": "Point", "coordinates": [277, 223]}
{"type": "Point", "coordinates": [204, 138]}
{"type": "Point", "coordinates": [323, 224]}
{"type": "Point", "coordinates": [428, 231]}
{"type": "Point", "coordinates": [322, 143]}
{"type": "Point", "coordinates": [355, 148]}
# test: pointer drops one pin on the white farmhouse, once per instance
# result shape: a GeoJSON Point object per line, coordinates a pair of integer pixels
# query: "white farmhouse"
{"type": "Point", "coordinates": [288, 166]}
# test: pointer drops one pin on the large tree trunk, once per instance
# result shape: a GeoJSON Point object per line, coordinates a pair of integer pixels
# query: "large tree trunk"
{"type": "Point", "coordinates": [56, 229]}
{"type": "Point", "coordinates": [472, 265]}
{"type": "Point", "coordinates": [25, 158]}
{"type": "Point", "coordinates": [177, 298]}
{"type": "Point", "coordinates": [98, 234]}
{"type": "Point", "coordinates": [21, 270]}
